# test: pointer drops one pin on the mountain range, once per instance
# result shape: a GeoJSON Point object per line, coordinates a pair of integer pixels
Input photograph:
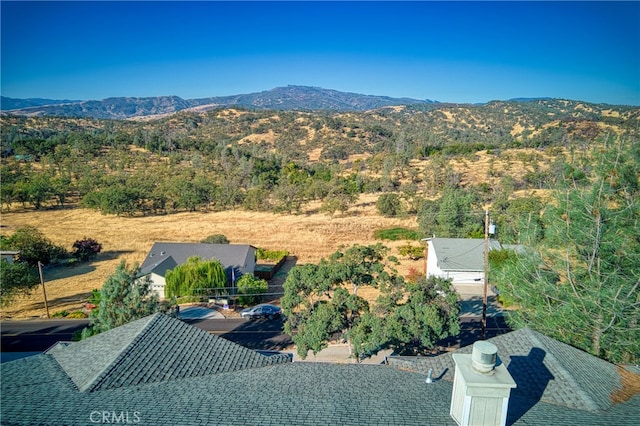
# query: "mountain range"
{"type": "Point", "coordinates": [301, 98]}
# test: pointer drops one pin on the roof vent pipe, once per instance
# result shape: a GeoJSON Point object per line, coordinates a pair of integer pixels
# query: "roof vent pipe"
{"type": "Point", "coordinates": [484, 356]}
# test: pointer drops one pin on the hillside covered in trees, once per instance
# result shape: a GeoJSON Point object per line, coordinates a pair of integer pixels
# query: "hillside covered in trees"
{"type": "Point", "coordinates": [437, 161]}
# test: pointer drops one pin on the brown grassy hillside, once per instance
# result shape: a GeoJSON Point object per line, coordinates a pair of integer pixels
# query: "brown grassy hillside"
{"type": "Point", "coordinates": [308, 236]}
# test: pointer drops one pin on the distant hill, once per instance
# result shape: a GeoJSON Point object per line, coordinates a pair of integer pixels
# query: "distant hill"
{"type": "Point", "coordinates": [305, 98]}
{"type": "Point", "coordinates": [298, 98]}
{"type": "Point", "coordinates": [12, 103]}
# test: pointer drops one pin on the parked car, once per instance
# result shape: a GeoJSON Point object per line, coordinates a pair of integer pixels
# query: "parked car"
{"type": "Point", "coordinates": [264, 310]}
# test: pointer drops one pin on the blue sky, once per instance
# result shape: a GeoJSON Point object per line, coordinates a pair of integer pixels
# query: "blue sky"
{"type": "Point", "coordinates": [448, 51]}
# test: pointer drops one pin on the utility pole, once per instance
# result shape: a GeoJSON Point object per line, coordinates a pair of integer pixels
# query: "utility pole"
{"type": "Point", "coordinates": [486, 273]}
{"type": "Point", "coordinates": [44, 291]}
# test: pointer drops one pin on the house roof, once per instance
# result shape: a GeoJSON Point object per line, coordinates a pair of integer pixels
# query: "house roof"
{"type": "Point", "coordinates": [461, 254]}
{"type": "Point", "coordinates": [156, 348]}
{"type": "Point", "coordinates": [543, 369]}
{"type": "Point", "coordinates": [165, 255]}
{"type": "Point", "coordinates": [38, 390]}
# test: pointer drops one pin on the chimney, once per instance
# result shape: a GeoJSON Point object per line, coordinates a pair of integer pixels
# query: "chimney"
{"type": "Point", "coordinates": [481, 388]}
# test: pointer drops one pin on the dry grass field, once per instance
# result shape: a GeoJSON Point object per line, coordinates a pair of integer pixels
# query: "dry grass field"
{"type": "Point", "coordinates": [308, 236]}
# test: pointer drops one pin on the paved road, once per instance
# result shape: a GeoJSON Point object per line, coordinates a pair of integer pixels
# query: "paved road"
{"type": "Point", "coordinates": [39, 335]}
{"type": "Point", "coordinates": [258, 334]}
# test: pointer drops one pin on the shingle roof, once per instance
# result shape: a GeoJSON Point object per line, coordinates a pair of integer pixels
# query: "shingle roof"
{"type": "Point", "coordinates": [230, 255]}
{"type": "Point", "coordinates": [37, 390]}
{"type": "Point", "coordinates": [156, 348]}
{"type": "Point", "coordinates": [543, 369]}
{"type": "Point", "coordinates": [461, 254]}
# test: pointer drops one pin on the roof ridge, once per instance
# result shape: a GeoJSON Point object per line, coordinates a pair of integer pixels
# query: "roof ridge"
{"type": "Point", "coordinates": [593, 401]}
{"type": "Point", "coordinates": [155, 348]}
{"type": "Point", "coordinates": [79, 360]}
{"type": "Point", "coordinates": [560, 366]}
{"type": "Point", "coordinates": [154, 318]}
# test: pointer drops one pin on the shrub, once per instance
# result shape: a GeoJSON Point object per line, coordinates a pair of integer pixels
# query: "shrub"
{"type": "Point", "coordinates": [273, 255]}
{"type": "Point", "coordinates": [215, 239]}
{"type": "Point", "coordinates": [412, 252]}
{"type": "Point", "coordinates": [250, 289]}
{"type": "Point", "coordinates": [86, 249]}
{"type": "Point", "coordinates": [413, 276]}
{"type": "Point", "coordinates": [60, 314]}
{"type": "Point", "coordinates": [77, 314]}
{"type": "Point", "coordinates": [396, 234]}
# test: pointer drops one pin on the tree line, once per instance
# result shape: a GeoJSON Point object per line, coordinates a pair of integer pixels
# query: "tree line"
{"type": "Point", "coordinates": [204, 161]}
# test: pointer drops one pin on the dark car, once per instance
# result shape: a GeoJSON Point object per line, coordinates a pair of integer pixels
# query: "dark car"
{"type": "Point", "coordinates": [261, 311]}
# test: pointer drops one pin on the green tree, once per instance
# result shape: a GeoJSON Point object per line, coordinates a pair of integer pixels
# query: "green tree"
{"type": "Point", "coordinates": [195, 277]}
{"type": "Point", "coordinates": [409, 317]}
{"type": "Point", "coordinates": [123, 298]}
{"type": "Point", "coordinates": [519, 219]}
{"type": "Point", "coordinates": [215, 239]}
{"type": "Point", "coordinates": [580, 284]}
{"type": "Point", "coordinates": [428, 314]}
{"type": "Point", "coordinates": [456, 214]}
{"type": "Point", "coordinates": [115, 199]}
{"type": "Point", "coordinates": [389, 205]}
{"type": "Point", "coordinates": [251, 289]}
{"type": "Point", "coordinates": [16, 278]}
{"type": "Point", "coordinates": [288, 197]}
{"type": "Point", "coordinates": [33, 246]}
{"type": "Point", "coordinates": [308, 306]}
{"type": "Point", "coordinates": [39, 189]}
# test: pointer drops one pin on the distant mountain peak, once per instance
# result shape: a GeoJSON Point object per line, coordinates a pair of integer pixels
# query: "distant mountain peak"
{"type": "Point", "coordinates": [291, 97]}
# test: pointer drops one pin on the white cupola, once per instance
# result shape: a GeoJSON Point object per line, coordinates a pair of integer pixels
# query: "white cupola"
{"type": "Point", "coordinates": [481, 389]}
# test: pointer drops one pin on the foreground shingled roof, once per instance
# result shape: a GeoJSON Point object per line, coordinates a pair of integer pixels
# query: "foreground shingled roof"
{"type": "Point", "coordinates": [543, 368]}
{"type": "Point", "coordinates": [156, 348]}
{"type": "Point", "coordinates": [38, 390]}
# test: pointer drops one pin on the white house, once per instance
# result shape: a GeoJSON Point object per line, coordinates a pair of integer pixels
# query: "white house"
{"type": "Point", "coordinates": [237, 259]}
{"type": "Point", "coordinates": [9, 255]}
{"type": "Point", "coordinates": [458, 259]}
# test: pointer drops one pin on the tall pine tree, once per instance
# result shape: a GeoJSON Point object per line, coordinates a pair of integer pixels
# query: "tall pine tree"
{"type": "Point", "coordinates": [581, 283]}
{"type": "Point", "coordinates": [123, 298]}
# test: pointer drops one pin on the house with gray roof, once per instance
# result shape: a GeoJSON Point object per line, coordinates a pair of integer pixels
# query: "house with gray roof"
{"type": "Point", "coordinates": [237, 259]}
{"type": "Point", "coordinates": [160, 371]}
{"type": "Point", "coordinates": [458, 259]}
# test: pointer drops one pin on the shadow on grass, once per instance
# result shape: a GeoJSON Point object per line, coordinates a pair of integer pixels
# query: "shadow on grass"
{"type": "Point", "coordinates": [63, 271]}
{"type": "Point", "coordinates": [59, 302]}
{"type": "Point", "coordinates": [111, 254]}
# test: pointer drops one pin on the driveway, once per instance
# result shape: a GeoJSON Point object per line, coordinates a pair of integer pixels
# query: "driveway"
{"type": "Point", "coordinates": [199, 312]}
{"type": "Point", "coordinates": [472, 306]}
